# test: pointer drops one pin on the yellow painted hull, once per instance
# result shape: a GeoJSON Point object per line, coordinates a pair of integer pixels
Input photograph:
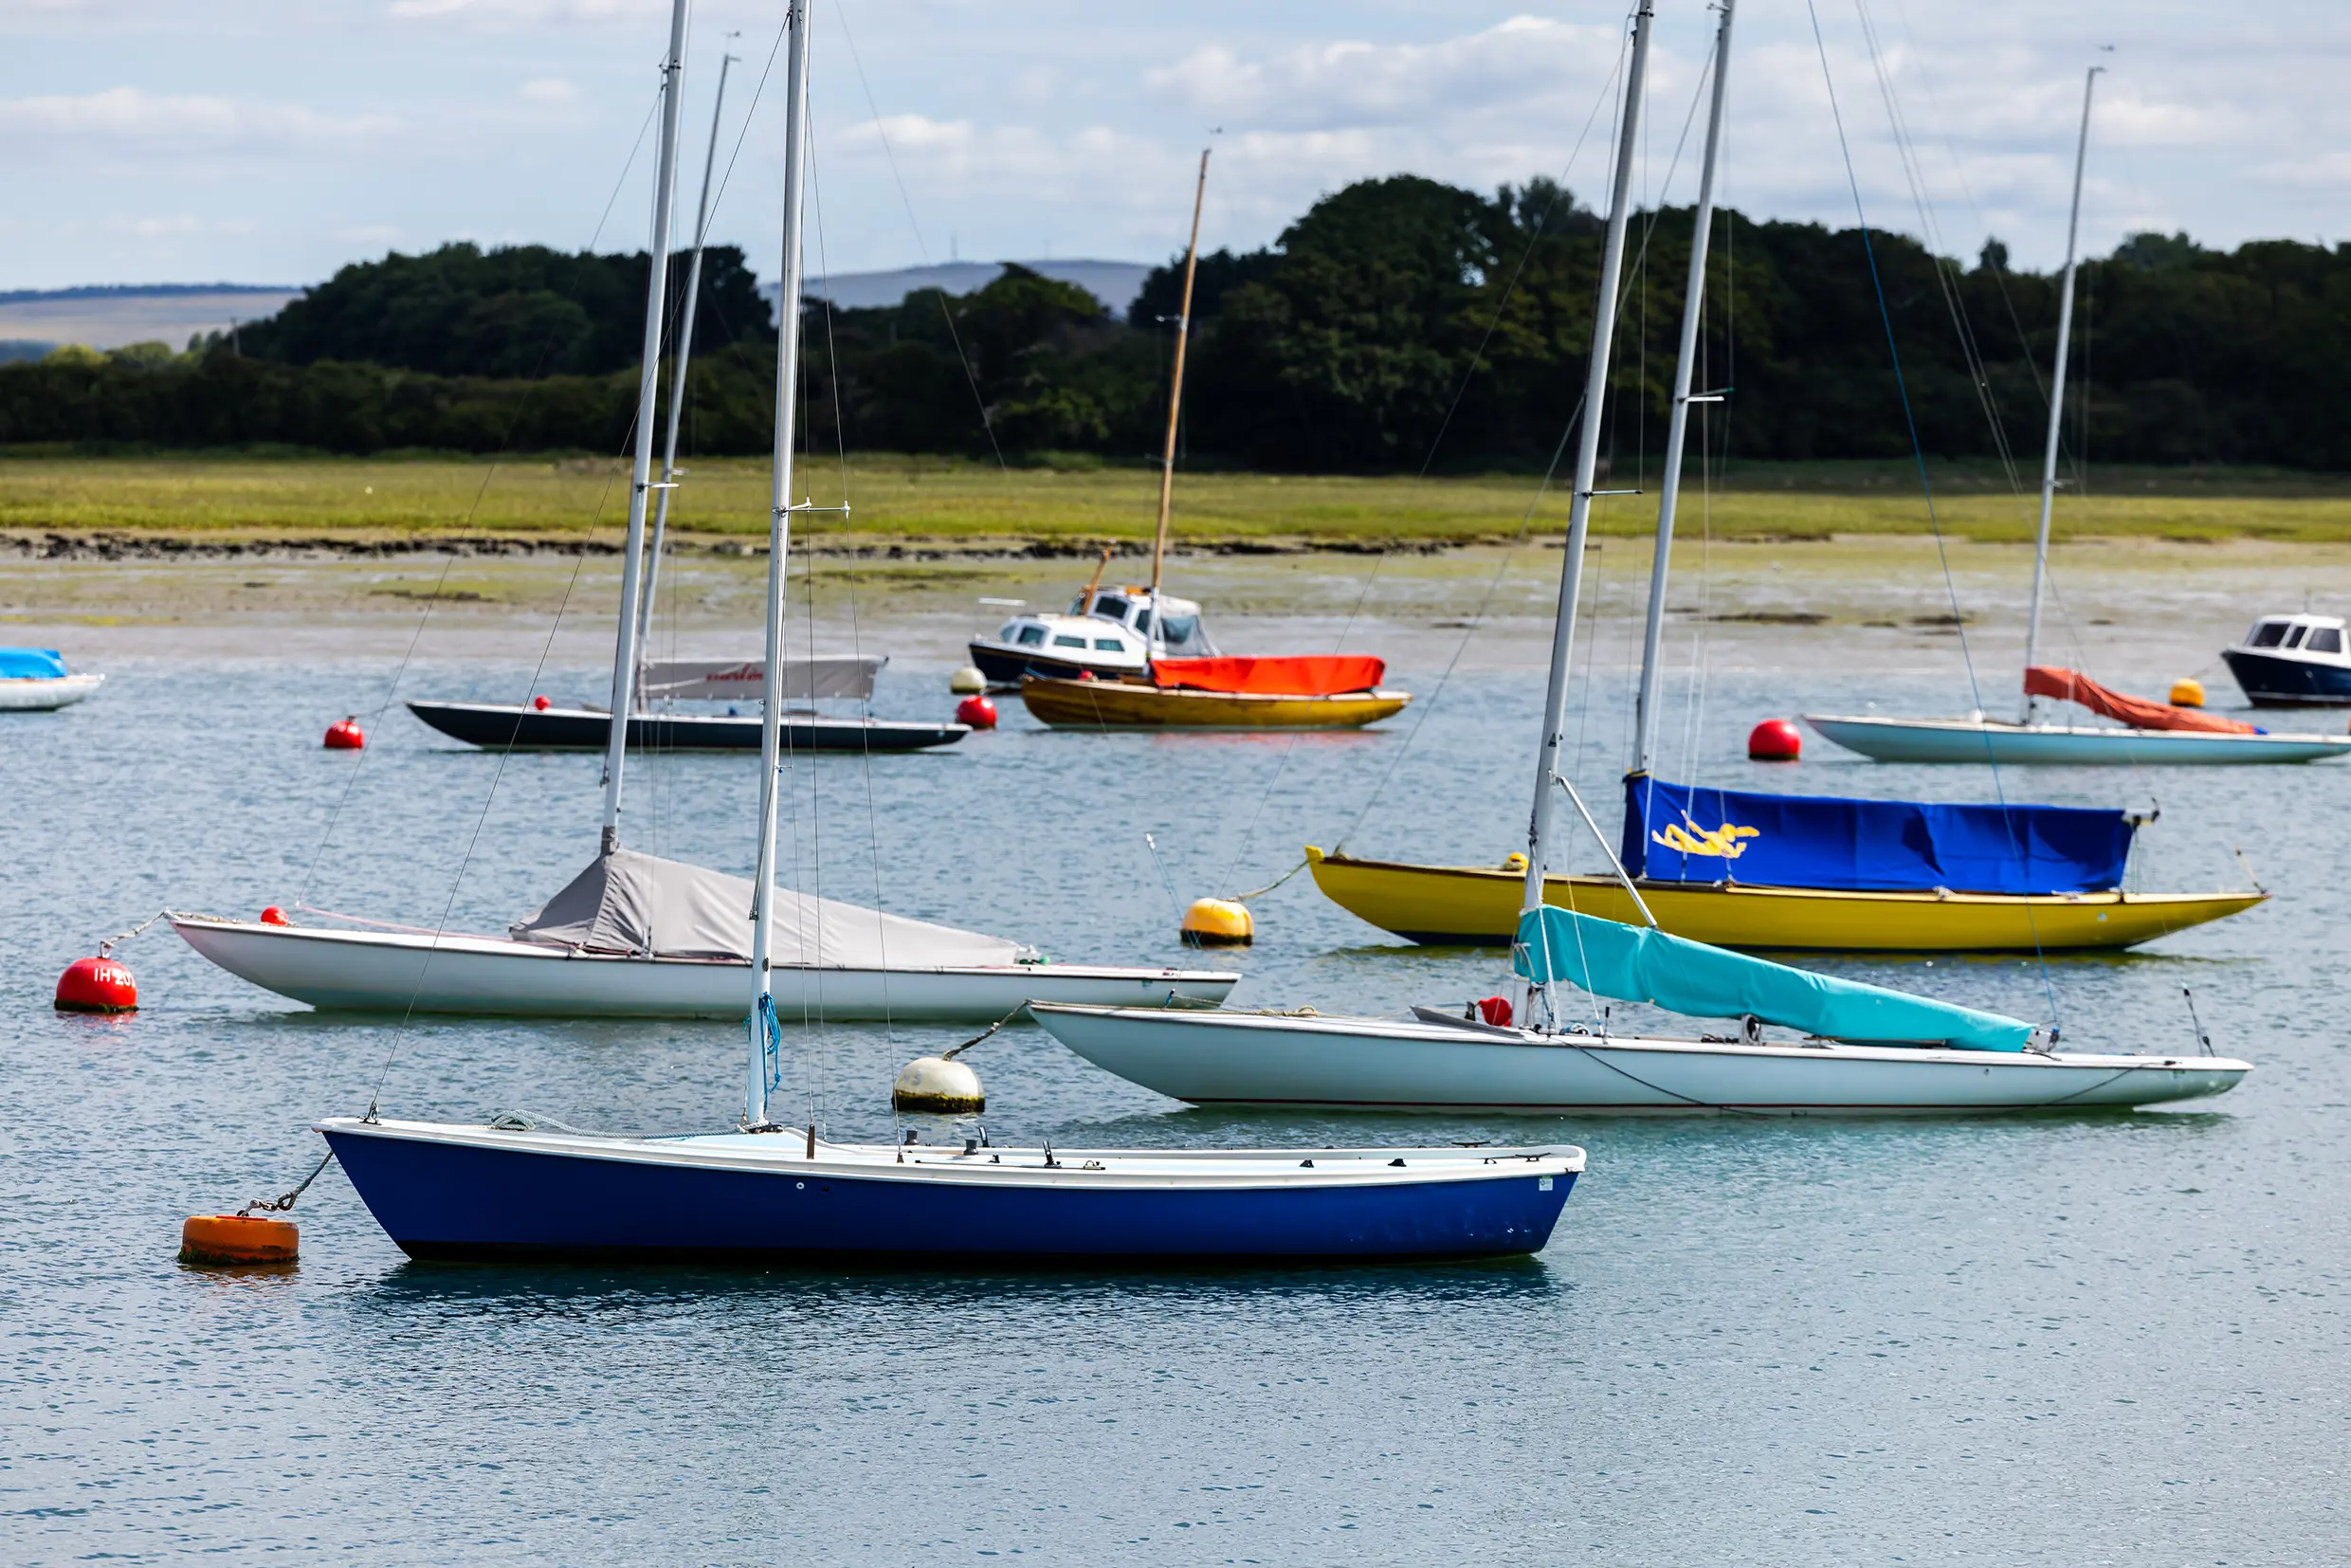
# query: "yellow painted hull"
{"type": "Point", "coordinates": [1127, 705]}
{"type": "Point", "coordinates": [1479, 906]}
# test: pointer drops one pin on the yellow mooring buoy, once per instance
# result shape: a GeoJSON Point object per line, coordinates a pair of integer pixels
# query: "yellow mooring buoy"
{"type": "Point", "coordinates": [1218, 922]}
{"type": "Point", "coordinates": [2188, 693]}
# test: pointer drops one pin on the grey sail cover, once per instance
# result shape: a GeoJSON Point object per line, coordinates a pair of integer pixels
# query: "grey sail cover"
{"type": "Point", "coordinates": [741, 679]}
{"type": "Point", "coordinates": [638, 903]}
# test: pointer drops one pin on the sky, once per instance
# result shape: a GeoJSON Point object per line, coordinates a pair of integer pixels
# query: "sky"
{"type": "Point", "coordinates": [270, 142]}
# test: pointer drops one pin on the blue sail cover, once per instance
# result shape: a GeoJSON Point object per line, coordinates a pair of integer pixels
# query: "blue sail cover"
{"type": "Point", "coordinates": [1681, 832]}
{"type": "Point", "coordinates": [1635, 964]}
{"type": "Point", "coordinates": [31, 663]}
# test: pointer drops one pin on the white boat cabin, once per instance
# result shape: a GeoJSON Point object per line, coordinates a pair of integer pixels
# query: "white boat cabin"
{"type": "Point", "coordinates": [2317, 639]}
{"type": "Point", "coordinates": [1108, 630]}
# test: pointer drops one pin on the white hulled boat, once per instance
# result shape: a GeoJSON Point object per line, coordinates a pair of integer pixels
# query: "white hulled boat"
{"type": "Point", "coordinates": [35, 680]}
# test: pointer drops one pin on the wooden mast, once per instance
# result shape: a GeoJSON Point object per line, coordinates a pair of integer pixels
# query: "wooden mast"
{"type": "Point", "coordinates": [1176, 398]}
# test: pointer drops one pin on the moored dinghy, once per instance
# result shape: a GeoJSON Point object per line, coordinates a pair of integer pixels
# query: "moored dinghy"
{"type": "Point", "coordinates": [36, 680]}
{"type": "Point", "coordinates": [1862, 1049]}
{"type": "Point", "coordinates": [512, 1189]}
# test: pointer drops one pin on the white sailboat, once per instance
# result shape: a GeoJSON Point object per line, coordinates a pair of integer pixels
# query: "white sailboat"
{"type": "Point", "coordinates": [514, 1189]}
{"type": "Point", "coordinates": [636, 935]}
{"type": "Point", "coordinates": [1857, 1048]}
{"type": "Point", "coordinates": [2151, 733]}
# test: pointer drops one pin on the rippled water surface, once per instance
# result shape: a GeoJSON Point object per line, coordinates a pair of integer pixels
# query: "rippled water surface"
{"type": "Point", "coordinates": [2072, 1340]}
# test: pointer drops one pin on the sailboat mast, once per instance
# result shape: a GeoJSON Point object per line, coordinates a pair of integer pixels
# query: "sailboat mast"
{"type": "Point", "coordinates": [1176, 394]}
{"type": "Point", "coordinates": [1587, 464]}
{"type": "Point", "coordinates": [648, 381]}
{"type": "Point", "coordinates": [778, 552]}
{"type": "Point", "coordinates": [677, 373]}
{"type": "Point", "coordinates": [1677, 430]}
{"type": "Point", "coordinates": [2057, 390]}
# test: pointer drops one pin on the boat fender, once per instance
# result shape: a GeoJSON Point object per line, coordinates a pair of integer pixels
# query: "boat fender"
{"type": "Point", "coordinates": [1494, 1010]}
{"type": "Point", "coordinates": [346, 736]}
{"type": "Point", "coordinates": [936, 1085]}
{"type": "Point", "coordinates": [97, 985]}
{"type": "Point", "coordinates": [979, 711]}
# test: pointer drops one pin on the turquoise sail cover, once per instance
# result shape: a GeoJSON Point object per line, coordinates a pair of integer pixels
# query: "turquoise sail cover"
{"type": "Point", "coordinates": [1634, 964]}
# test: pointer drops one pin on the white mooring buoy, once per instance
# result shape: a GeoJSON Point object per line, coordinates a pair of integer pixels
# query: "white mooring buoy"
{"type": "Point", "coordinates": [935, 1085]}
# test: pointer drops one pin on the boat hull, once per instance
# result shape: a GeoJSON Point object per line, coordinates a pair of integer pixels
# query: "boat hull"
{"type": "Point", "coordinates": [2275, 681]}
{"type": "Point", "coordinates": [1473, 906]}
{"type": "Point", "coordinates": [510, 726]}
{"type": "Point", "coordinates": [477, 1193]}
{"type": "Point", "coordinates": [400, 972]}
{"type": "Point", "coordinates": [1004, 664]}
{"type": "Point", "coordinates": [1978, 741]}
{"type": "Point", "coordinates": [1331, 1064]}
{"type": "Point", "coordinates": [1121, 704]}
{"type": "Point", "coordinates": [45, 694]}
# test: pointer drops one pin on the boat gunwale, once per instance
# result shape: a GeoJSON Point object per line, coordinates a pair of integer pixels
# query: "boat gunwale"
{"type": "Point", "coordinates": [1420, 1031]}
{"type": "Point", "coordinates": [1268, 1170]}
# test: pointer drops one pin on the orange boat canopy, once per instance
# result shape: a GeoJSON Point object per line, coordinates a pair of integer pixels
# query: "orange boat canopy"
{"type": "Point", "coordinates": [2067, 685]}
{"type": "Point", "coordinates": [1291, 675]}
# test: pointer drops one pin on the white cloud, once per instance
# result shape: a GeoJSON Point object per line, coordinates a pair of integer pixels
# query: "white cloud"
{"type": "Point", "coordinates": [129, 117]}
{"type": "Point", "coordinates": [548, 90]}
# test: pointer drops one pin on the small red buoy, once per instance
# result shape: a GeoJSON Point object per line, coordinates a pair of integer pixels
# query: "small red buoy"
{"type": "Point", "coordinates": [346, 736]}
{"type": "Point", "coordinates": [275, 916]}
{"type": "Point", "coordinates": [542, 704]}
{"type": "Point", "coordinates": [1086, 675]}
{"type": "Point", "coordinates": [238, 1238]}
{"type": "Point", "coordinates": [978, 712]}
{"type": "Point", "coordinates": [97, 985]}
{"type": "Point", "coordinates": [1495, 1011]}
{"type": "Point", "coordinates": [1775, 740]}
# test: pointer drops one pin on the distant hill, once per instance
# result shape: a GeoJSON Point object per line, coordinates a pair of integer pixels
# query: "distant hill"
{"type": "Point", "coordinates": [1115, 283]}
{"type": "Point", "coordinates": [110, 315]}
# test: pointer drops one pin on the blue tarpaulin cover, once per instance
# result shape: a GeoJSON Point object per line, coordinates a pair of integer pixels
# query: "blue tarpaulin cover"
{"type": "Point", "coordinates": [1633, 963]}
{"type": "Point", "coordinates": [31, 663]}
{"type": "Point", "coordinates": [1682, 832]}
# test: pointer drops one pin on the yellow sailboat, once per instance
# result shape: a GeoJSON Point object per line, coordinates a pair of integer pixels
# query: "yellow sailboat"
{"type": "Point", "coordinates": [1479, 906]}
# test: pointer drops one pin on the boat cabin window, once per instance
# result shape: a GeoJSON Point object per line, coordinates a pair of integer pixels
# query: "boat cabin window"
{"type": "Point", "coordinates": [1030, 636]}
{"type": "Point", "coordinates": [2293, 638]}
{"type": "Point", "coordinates": [1109, 644]}
{"type": "Point", "coordinates": [1110, 607]}
{"type": "Point", "coordinates": [1181, 630]}
{"type": "Point", "coordinates": [2325, 639]}
{"type": "Point", "coordinates": [2266, 634]}
{"type": "Point", "coordinates": [1069, 642]}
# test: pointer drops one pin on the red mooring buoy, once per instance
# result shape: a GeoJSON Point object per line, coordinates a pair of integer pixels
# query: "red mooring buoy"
{"type": "Point", "coordinates": [979, 711]}
{"type": "Point", "coordinates": [275, 916]}
{"type": "Point", "coordinates": [1775, 740]}
{"type": "Point", "coordinates": [97, 985]}
{"type": "Point", "coordinates": [542, 704]}
{"type": "Point", "coordinates": [346, 736]}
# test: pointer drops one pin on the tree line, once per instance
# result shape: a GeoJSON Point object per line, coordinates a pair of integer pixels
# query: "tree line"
{"type": "Point", "coordinates": [1398, 324]}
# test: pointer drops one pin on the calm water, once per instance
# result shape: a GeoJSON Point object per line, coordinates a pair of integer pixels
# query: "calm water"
{"type": "Point", "coordinates": [2100, 1339]}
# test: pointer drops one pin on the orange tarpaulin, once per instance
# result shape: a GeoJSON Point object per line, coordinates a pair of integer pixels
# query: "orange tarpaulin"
{"type": "Point", "coordinates": [2064, 684]}
{"type": "Point", "coordinates": [1293, 675]}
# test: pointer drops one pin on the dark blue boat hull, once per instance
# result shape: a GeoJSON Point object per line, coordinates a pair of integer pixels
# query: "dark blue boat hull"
{"type": "Point", "coordinates": [2273, 681]}
{"type": "Point", "coordinates": [444, 1200]}
{"type": "Point", "coordinates": [1003, 667]}
{"type": "Point", "coordinates": [501, 727]}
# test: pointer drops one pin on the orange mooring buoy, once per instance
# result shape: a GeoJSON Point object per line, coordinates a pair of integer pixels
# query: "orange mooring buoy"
{"type": "Point", "coordinates": [97, 985]}
{"type": "Point", "coordinates": [238, 1239]}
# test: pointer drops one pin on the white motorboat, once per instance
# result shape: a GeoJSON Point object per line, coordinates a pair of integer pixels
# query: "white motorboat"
{"type": "Point", "coordinates": [1857, 1048]}
{"type": "Point", "coordinates": [1976, 738]}
{"type": "Point", "coordinates": [1108, 633]}
{"type": "Point", "coordinates": [35, 680]}
{"type": "Point", "coordinates": [1434, 1063]}
{"type": "Point", "coordinates": [2293, 662]}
